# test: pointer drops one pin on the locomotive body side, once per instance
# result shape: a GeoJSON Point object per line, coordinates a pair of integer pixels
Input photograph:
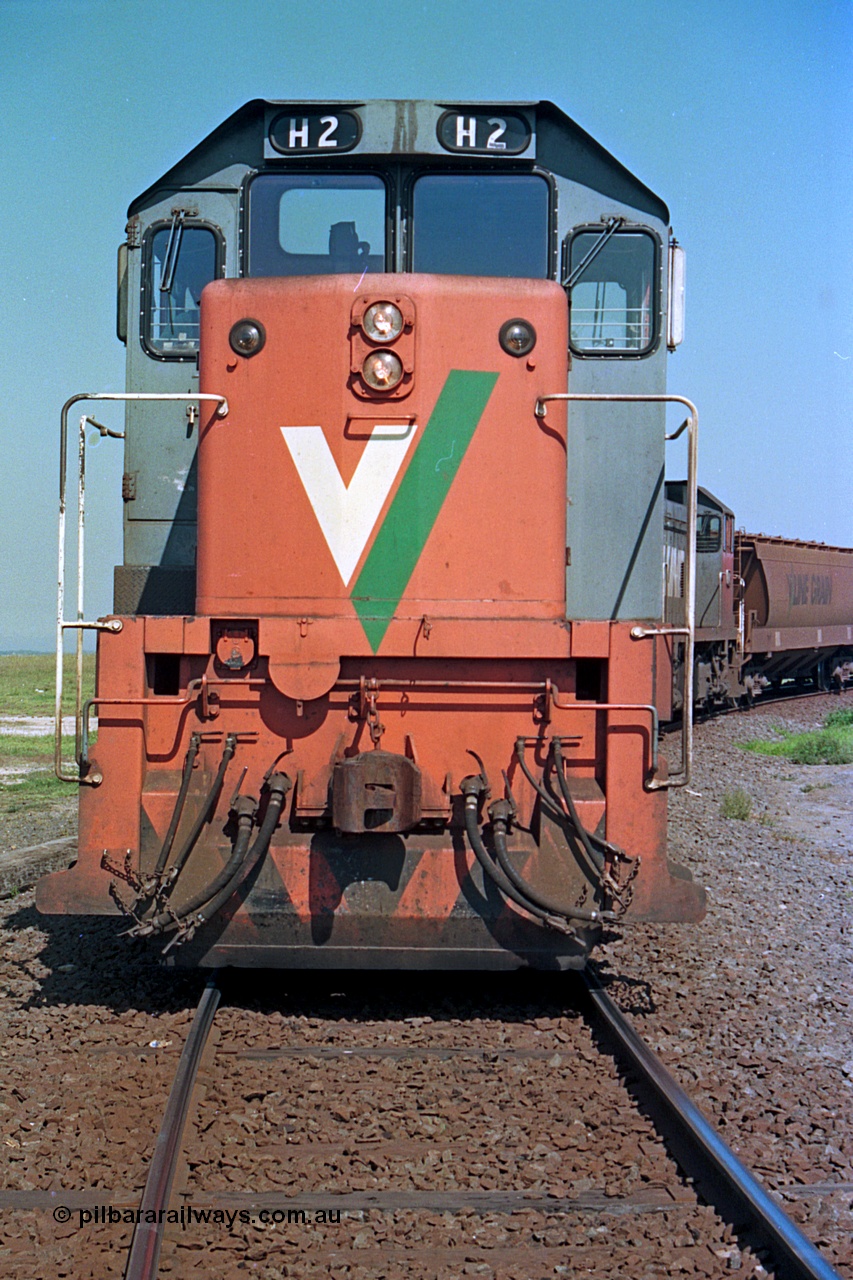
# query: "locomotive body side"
{"type": "Point", "coordinates": [407, 719]}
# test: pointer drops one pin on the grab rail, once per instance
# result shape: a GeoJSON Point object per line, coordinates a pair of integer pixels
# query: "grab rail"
{"type": "Point", "coordinates": [691, 425]}
{"type": "Point", "coordinates": [79, 624]}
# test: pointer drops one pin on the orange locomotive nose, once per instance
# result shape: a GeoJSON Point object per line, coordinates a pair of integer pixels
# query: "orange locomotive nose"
{"type": "Point", "coordinates": [381, 610]}
{"type": "Point", "coordinates": [367, 509]}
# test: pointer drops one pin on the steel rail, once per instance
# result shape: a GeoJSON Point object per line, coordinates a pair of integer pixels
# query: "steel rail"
{"type": "Point", "coordinates": [144, 1258]}
{"type": "Point", "coordinates": [796, 1256]}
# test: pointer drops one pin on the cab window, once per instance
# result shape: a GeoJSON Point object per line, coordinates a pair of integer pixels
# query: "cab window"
{"type": "Point", "coordinates": [709, 532]}
{"type": "Point", "coordinates": [316, 224]}
{"type": "Point", "coordinates": [181, 260]}
{"type": "Point", "coordinates": [612, 295]}
{"type": "Point", "coordinates": [481, 224]}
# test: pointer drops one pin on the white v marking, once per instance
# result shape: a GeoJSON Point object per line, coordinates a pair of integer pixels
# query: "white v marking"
{"type": "Point", "coordinates": [347, 513]}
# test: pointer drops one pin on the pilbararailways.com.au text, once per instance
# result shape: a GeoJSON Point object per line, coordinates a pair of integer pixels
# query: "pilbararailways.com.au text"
{"type": "Point", "coordinates": [187, 1216]}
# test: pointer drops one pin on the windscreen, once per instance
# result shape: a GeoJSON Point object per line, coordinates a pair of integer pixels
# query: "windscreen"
{"type": "Point", "coordinates": [316, 224]}
{"type": "Point", "coordinates": [481, 225]}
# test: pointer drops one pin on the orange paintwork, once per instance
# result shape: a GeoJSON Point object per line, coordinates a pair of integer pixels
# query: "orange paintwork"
{"type": "Point", "coordinates": [473, 640]}
{"type": "Point", "coordinates": [497, 550]}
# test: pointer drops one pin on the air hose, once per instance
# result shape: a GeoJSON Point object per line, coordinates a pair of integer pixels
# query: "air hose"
{"type": "Point", "coordinates": [593, 846]}
{"type": "Point", "coordinates": [189, 761]}
{"type": "Point", "coordinates": [244, 810]}
{"type": "Point", "coordinates": [500, 812]}
{"type": "Point", "coordinates": [279, 785]}
{"type": "Point", "coordinates": [204, 815]}
{"type": "Point", "coordinates": [513, 886]}
{"type": "Point", "coordinates": [192, 916]}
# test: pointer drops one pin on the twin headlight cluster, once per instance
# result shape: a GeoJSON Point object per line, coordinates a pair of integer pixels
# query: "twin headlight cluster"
{"type": "Point", "coordinates": [382, 322]}
{"type": "Point", "coordinates": [382, 346]}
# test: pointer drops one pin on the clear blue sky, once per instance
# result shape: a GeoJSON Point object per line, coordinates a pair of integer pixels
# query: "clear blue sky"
{"type": "Point", "coordinates": [739, 115]}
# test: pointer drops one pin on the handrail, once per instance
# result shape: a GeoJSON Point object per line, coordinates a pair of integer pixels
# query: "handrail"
{"type": "Point", "coordinates": [651, 783]}
{"type": "Point", "coordinates": [691, 425]}
{"type": "Point", "coordinates": [102, 624]}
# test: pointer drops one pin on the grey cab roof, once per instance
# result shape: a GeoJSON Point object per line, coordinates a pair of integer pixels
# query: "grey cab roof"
{"type": "Point", "coordinates": [676, 491]}
{"type": "Point", "coordinates": [407, 128]}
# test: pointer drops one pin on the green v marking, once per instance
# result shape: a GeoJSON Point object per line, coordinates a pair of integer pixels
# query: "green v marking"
{"type": "Point", "coordinates": [414, 510]}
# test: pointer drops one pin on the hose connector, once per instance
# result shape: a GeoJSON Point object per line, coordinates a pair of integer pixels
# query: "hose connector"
{"type": "Point", "coordinates": [279, 784]}
{"type": "Point", "coordinates": [244, 807]}
{"type": "Point", "coordinates": [501, 813]}
{"type": "Point", "coordinates": [473, 789]}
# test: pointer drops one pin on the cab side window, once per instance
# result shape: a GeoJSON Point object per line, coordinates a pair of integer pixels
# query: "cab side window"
{"type": "Point", "coordinates": [180, 259]}
{"type": "Point", "coordinates": [612, 293]}
{"type": "Point", "coordinates": [709, 532]}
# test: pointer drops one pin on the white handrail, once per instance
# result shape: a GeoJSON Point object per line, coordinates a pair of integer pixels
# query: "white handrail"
{"type": "Point", "coordinates": [102, 624]}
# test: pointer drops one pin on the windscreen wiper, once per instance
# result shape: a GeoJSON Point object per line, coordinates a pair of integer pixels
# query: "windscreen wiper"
{"type": "Point", "coordinates": [612, 224]}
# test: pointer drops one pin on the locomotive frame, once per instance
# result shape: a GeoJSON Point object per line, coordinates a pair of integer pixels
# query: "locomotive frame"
{"type": "Point", "coordinates": [406, 630]}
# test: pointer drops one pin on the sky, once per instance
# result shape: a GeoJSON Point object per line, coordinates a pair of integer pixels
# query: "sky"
{"type": "Point", "coordinates": [740, 116]}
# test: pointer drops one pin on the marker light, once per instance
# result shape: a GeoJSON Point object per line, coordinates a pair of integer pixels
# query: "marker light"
{"type": "Point", "coordinates": [247, 337]}
{"type": "Point", "coordinates": [517, 337]}
{"type": "Point", "coordinates": [382, 370]}
{"type": "Point", "coordinates": [383, 322]}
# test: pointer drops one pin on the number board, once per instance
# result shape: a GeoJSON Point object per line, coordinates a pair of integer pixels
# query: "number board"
{"type": "Point", "coordinates": [293, 133]}
{"type": "Point", "coordinates": [488, 133]}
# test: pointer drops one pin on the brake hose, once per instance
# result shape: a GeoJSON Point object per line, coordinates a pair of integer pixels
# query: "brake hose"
{"type": "Point", "coordinates": [204, 816]}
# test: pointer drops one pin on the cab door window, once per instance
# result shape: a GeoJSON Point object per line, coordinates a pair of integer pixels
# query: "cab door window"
{"type": "Point", "coordinates": [180, 259]}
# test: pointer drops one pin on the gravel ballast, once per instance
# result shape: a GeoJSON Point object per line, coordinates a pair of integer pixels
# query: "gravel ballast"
{"type": "Point", "coordinates": [751, 1010]}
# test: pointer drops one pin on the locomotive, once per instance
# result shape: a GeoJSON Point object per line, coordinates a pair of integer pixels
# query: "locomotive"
{"type": "Point", "coordinates": [390, 645]}
{"type": "Point", "coordinates": [771, 613]}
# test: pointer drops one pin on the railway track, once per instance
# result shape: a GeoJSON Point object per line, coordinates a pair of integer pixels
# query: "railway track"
{"type": "Point", "coordinates": [766, 700]}
{"type": "Point", "coordinates": [614, 1218]}
{"type": "Point", "coordinates": [309, 1100]}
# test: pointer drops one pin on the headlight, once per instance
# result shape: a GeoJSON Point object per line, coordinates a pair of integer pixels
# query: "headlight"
{"type": "Point", "coordinates": [247, 337]}
{"type": "Point", "coordinates": [517, 337]}
{"type": "Point", "coordinates": [382, 370]}
{"type": "Point", "coordinates": [383, 322]}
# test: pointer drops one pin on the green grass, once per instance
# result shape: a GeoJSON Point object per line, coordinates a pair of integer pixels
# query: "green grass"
{"type": "Point", "coordinates": [833, 744]}
{"type": "Point", "coordinates": [27, 688]}
{"type": "Point", "coordinates": [36, 784]}
{"type": "Point", "coordinates": [28, 682]}
{"type": "Point", "coordinates": [736, 805]}
{"type": "Point", "coordinates": [35, 791]}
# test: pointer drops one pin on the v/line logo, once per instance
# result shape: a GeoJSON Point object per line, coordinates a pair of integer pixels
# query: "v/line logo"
{"type": "Point", "coordinates": [347, 514]}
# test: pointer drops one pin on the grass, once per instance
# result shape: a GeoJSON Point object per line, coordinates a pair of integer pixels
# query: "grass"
{"type": "Point", "coordinates": [832, 744]}
{"type": "Point", "coordinates": [28, 682]}
{"type": "Point", "coordinates": [31, 782]}
{"type": "Point", "coordinates": [35, 791]}
{"type": "Point", "coordinates": [27, 688]}
{"type": "Point", "coordinates": [736, 805]}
